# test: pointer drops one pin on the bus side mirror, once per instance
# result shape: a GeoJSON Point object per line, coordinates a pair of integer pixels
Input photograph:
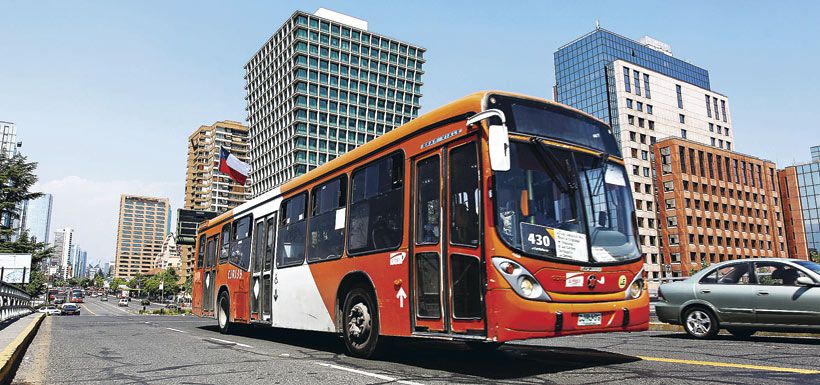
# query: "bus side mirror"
{"type": "Point", "coordinates": [499, 141]}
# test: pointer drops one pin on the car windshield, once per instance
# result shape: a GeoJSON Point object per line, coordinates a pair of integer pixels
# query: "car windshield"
{"type": "Point", "coordinates": [813, 266]}
{"type": "Point", "coordinates": [552, 201]}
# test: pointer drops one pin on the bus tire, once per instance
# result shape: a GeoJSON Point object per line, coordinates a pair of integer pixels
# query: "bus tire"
{"type": "Point", "coordinates": [223, 313]}
{"type": "Point", "coordinates": [484, 347]}
{"type": "Point", "coordinates": [360, 326]}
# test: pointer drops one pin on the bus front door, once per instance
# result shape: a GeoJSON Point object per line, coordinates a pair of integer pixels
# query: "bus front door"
{"type": "Point", "coordinates": [448, 290]}
{"type": "Point", "coordinates": [209, 277]}
{"type": "Point", "coordinates": [261, 276]}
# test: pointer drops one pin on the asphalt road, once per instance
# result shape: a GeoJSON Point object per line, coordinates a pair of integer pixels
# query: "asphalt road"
{"type": "Point", "coordinates": [111, 345]}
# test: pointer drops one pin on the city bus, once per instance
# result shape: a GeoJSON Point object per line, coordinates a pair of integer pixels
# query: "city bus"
{"type": "Point", "coordinates": [496, 217]}
{"type": "Point", "coordinates": [77, 295]}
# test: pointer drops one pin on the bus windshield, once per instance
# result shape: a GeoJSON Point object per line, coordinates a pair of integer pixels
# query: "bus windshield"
{"type": "Point", "coordinates": [552, 201]}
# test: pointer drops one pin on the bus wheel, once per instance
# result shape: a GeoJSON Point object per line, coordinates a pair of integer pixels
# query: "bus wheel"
{"type": "Point", "coordinates": [223, 313]}
{"type": "Point", "coordinates": [361, 323]}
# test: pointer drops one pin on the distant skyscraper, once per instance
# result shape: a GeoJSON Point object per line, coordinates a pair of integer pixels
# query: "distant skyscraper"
{"type": "Point", "coordinates": [36, 217]}
{"type": "Point", "coordinates": [322, 85]}
{"type": "Point", "coordinates": [8, 139]}
{"type": "Point", "coordinates": [801, 205]}
{"type": "Point", "coordinates": [205, 187]}
{"type": "Point", "coordinates": [143, 224]}
{"type": "Point", "coordinates": [63, 247]}
{"type": "Point", "coordinates": [647, 95]}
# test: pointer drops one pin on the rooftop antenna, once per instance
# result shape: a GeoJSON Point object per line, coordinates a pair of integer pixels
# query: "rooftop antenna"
{"type": "Point", "coordinates": [597, 24]}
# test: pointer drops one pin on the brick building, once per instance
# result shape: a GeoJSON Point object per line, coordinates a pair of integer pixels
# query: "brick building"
{"type": "Point", "coordinates": [714, 205]}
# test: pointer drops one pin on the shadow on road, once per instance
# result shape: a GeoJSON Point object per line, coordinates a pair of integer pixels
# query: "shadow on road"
{"type": "Point", "coordinates": [768, 339]}
{"type": "Point", "coordinates": [509, 362]}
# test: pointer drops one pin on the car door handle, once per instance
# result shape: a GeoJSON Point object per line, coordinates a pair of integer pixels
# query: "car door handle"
{"type": "Point", "coordinates": [762, 293]}
{"type": "Point", "coordinates": [706, 291]}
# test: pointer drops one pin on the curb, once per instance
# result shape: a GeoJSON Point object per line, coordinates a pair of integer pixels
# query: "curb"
{"type": "Point", "coordinates": [10, 356]}
{"type": "Point", "coordinates": [660, 326]}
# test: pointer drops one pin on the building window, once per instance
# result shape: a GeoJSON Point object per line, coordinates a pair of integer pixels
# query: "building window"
{"type": "Point", "coordinates": [649, 109]}
{"type": "Point", "coordinates": [723, 109]}
{"type": "Point", "coordinates": [715, 103]}
{"type": "Point", "coordinates": [637, 77]}
{"type": "Point", "coordinates": [626, 80]}
{"type": "Point", "coordinates": [680, 95]}
{"type": "Point", "coordinates": [708, 108]}
{"type": "Point", "coordinates": [640, 106]}
{"type": "Point", "coordinates": [628, 103]}
{"type": "Point", "coordinates": [630, 119]}
{"type": "Point", "coordinates": [651, 125]}
{"type": "Point", "coordinates": [646, 86]}
{"type": "Point", "coordinates": [683, 133]}
{"type": "Point", "coordinates": [682, 118]}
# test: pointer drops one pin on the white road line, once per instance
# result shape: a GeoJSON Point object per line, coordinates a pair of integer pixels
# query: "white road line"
{"type": "Point", "coordinates": [230, 342]}
{"type": "Point", "coordinates": [362, 372]}
{"type": "Point", "coordinates": [177, 330]}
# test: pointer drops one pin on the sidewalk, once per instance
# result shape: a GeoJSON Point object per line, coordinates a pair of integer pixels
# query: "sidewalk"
{"type": "Point", "coordinates": [14, 338]}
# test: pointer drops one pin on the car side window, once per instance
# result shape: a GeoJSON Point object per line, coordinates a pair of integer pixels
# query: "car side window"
{"type": "Point", "coordinates": [734, 274]}
{"type": "Point", "coordinates": [776, 274]}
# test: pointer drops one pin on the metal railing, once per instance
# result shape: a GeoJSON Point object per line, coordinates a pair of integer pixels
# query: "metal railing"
{"type": "Point", "coordinates": [14, 302]}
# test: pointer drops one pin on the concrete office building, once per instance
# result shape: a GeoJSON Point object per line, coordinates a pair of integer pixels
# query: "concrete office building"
{"type": "Point", "coordinates": [715, 205]}
{"type": "Point", "coordinates": [63, 247]}
{"type": "Point", "coordinates": [36, 217]}
{"type": "Point", "coordinates": [143, 225]}
{"type": "Point", "coordinates": [205, 187]}
{"type": "Point", "coordinates": [646, 95]}
{"type": "Point", "coordinates": [801, 205]}
{"type": "Point", "coordinates": [322, 85]}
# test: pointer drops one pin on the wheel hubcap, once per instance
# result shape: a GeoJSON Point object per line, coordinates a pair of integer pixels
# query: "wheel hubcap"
{"type": "Point", "coordinates": [359, 323]}
{"type": "Point", "coordinates": [698, 323]}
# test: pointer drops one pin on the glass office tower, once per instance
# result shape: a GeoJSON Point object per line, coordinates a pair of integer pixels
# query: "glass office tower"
{"type": "Point", "coordinates": [580, 78]}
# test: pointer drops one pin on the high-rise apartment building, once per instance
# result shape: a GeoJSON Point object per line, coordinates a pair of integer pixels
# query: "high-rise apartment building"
{"type": "Point", "coordinates": [36, 217]}
{"type": "Point", "coordinates": [205, 187]}
{"type": "Point", "coordinates": [8, 139]}
{"type": "Point", "coordinates": [143, 224]}
{"type": "Point", "coordinates": [63, 247]}
{"type": "Point", "coordinates": [322, 85]}
{"type": "Point", "coordinates": [801, 205]}
{"type": "Point", "coordinates": [646, 95]}
{"type": "Point", "coordinates": [715, 205]}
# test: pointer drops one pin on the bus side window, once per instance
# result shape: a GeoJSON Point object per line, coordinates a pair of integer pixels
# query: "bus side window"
{"type": "Point", "coordinates": [376, 206]}
{"type": "Point", "coordinates": [464, 196]}
{"type": "Point", "coordinates": [326, 229]}
{"type": "Point", "coordinates": [269, 243]}
{"type": "Point", "coordinates": [210, 253]}
{"type": "Point", "coordinates": [226, 244]}
{"type": "Point", "coordinates": [290, 246]}
{"type": "Point", "coordinates": [241, 245]}
{"type": "Point", "coordinates": [200, 255]}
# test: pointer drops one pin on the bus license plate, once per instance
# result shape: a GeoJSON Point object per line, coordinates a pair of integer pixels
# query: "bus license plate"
{"type": "Point", "coordinates": [589, 319]}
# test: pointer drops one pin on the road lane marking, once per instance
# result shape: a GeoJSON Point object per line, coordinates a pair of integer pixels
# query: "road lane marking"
{"type": "Point", "coordinates": [177, 330]}
{"type": "Point", "coordinates": [231, 342]}
{"type": "Point", "coordinates": [89, 310]}
{"type": "Point", "coordinates": [731, 365]}
{"type": "Point", "coordinates": [369, 374]}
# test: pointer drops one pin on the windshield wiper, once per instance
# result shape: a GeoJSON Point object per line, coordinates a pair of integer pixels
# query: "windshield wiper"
{"type": "Point", "coordinates": [560, 172]}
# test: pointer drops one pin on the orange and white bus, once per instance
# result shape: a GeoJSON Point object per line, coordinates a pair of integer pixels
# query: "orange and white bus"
{"type": "Point", "coordinates": [496, 217]}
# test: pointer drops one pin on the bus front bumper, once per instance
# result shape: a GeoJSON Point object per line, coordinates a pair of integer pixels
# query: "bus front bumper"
{"type": "Point", "coordinates": [516, 318]}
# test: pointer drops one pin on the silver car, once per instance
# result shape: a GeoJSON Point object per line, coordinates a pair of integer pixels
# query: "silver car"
{"type": "Point", "coordinates": [744, 296]}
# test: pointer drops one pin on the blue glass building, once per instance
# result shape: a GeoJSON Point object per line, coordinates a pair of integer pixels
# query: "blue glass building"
{"type": "Point", "coordinates": [808, 186]}
{"type": "Point", "coordinates": [581, 80]}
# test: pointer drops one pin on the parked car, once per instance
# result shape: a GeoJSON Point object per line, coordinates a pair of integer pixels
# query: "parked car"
{"type": "Point", "coordinates": [49, 310]}
{"type": "Point", "coordinates": [104, 298]}
{"type": "Point", "coordinates": [744, 296]}
{"type": "Point", "coordinates": [122, 302]}
{"type": "Point", "coordinates": [70, 309]}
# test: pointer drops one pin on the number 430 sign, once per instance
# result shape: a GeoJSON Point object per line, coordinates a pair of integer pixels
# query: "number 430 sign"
{"type": "Point", "coordinates": [536, 239]}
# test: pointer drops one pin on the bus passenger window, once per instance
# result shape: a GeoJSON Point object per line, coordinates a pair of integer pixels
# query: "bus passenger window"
{"type": "Point", "coordinates": [428, 213]}
{"type": "Point", "coordinates": [200, 255]}
{"type": "Point", "coordinates": [290, 248]}
{"type": "Point", "coordinates": [327, 220]}
{"type": "Point", "coordinates": [259, 246]}
{"type": "Point", "coordinates": [376, 206]}
{"type": "Point", "coordinates": [241, 244]}
{"type": "Point", "coordinates": [269, 242]}
{"type": "Point", "coordinates": [464, 196]}
{"type": "Point", "coordinates": [226, 244]}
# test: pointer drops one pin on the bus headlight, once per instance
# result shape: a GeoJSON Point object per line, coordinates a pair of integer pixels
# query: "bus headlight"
{"type": "Point", "coordinates": [521, 280]}
{"type": "Point", "coordinates": [635, 287]}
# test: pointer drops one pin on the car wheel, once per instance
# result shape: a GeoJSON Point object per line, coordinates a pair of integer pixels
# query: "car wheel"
{"type": "Point", "coordinates": [742, 332]}
{"type": "Point", "coordinates": [223, 314]}
{"type": "Point", "coordinates": [360, 323]}
{"type": "Point", "coordinates": [700, 323]}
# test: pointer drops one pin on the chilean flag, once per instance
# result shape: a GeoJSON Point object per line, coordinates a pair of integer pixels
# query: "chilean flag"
{"type": "Point", "coordinates": [232, 166]}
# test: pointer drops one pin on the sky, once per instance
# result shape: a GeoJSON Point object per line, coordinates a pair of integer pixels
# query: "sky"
{"type": "Point", "coordinates": [104, 94]}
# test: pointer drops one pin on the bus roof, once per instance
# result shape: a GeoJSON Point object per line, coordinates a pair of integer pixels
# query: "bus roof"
{"type": "Point", "coordinates": [469, 103]}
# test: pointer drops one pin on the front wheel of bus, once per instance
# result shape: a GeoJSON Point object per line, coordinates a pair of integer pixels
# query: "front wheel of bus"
{"type": "Point", "coordinates": [223, 313]}
{"type": "Point", "coordinates": [361, 323]}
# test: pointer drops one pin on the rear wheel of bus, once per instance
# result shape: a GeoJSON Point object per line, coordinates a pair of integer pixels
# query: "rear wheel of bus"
{"type": "Point", "coordinates": [223, 313]}
{"type": "Point", "coordinates": [360, 326]}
